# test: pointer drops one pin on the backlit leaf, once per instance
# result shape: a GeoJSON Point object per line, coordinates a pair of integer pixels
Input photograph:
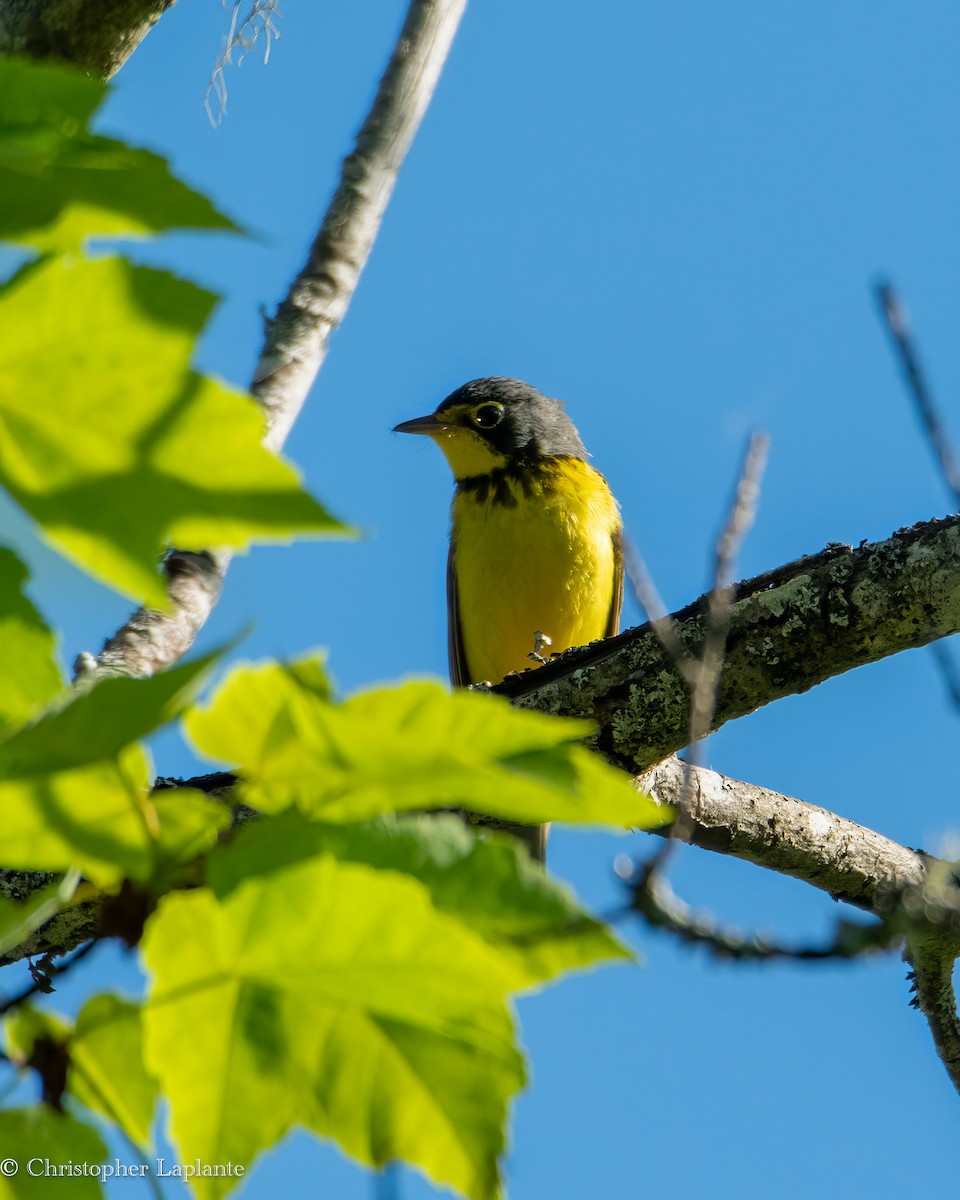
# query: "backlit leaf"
{"type": "Point", "coordinates": [415, 746]}
{"type": "Point", "coordinates": [491, 885]}
{"type": "Point", "coordinates": [61, 184]}
{"type": "Point", "coordinates": [40, 1133]}
{"type": "Point", "coordinates": [137, 451]}
{"type": "Point", "coordinates": [29, 674]}
{"type": "Point", "coordinates": [300, 992]}
{"type": "Point", "coordinates": [106, 1070]}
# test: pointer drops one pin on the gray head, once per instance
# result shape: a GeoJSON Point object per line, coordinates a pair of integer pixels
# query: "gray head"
{"type": "Point", "coordinates": [514, 418]}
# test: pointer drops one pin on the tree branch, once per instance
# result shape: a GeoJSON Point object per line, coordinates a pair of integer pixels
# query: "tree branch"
{"type": "Point", "coordinates": [151, 641]}
{"type": "Point", "coordinates": [96, 35]}
{"type": "Point", "coordinates": [790, 836]}
{"type": "Point", "coordinates": [654, 900]}
{"type": "Point", "coordinates": [933, 957]}
{"type": "Point", "coordinates": [790, 629]}
{"type": "Point", "coordinates": [916, 896]}
{"type": "Point", "coordinates": [296, 339]}
{"type": "Point", "coordinates": [779, 833]}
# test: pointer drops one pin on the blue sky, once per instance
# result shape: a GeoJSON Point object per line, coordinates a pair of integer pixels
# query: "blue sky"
{"type": "Point", "coordinates": [670, 216]}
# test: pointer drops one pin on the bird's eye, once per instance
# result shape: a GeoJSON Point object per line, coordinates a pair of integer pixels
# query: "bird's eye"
{"type": "Point", "coordinates": [487, 415]}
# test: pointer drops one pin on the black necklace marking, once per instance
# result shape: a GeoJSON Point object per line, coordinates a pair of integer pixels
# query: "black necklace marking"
{"type": "Point", "coordinates": [528, 475]}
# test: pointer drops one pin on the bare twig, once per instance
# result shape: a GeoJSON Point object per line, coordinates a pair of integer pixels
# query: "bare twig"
{"type": "Point", "coordinates": [653, 899]}
{"type": "Point", "coordinates": [296, 339]}
{"type": "Point", "coordinates": [898, 327]}
{"type": "Point", "coordinates": [649, 599]}
{"type": "Point", "coordinates": [741, 517]}
{"type": "Point", "coordinates": [42, 982]}
{"type": "Point", "coordinates": [703, 674]}
{"type": "Point", "coordinates": [933, 956]}
{"type": "Point", "coordinates": [947, 666]}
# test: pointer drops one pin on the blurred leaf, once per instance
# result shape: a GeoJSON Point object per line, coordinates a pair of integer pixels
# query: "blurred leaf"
{"type": "Point", "coordinates": [95, 722]}
{"type": "Point", "coordinates": [20, 918]}
{"type": "Point", "coordinates": [415, 746]}
{"type": "Point", "coordinates": [96, 817]}
{"type": "Point", "coordinates": [41, 1133]}
{"type": "Point", "coordinates": [190, 823]}
{"type": "Point", "coordinates": [491, 885]}
{"type": "Point", "coordinates": [298, 993]}
{"type": "Point", "coordinates": [62, 184]}
{"type": "Point", "coordinates": [103, 819]}
{"type": "Point", "coordinates": [112, 481]}
{"type": "Point", "coordinates": [74, 786]}
{"type": "Point", "coordinates": [29, 674]}
{"type": "Point", "coordinates": [106, 1070]}
{"type": "Point", "coordinates": [25, 1024]}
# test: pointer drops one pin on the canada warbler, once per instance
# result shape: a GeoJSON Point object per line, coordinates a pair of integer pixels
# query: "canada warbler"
{"type": "Point", "coordinates": [536, 561]}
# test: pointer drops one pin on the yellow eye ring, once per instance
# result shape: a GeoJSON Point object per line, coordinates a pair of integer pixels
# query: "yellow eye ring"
{"type": "Point", "coordinates": [487, 416]}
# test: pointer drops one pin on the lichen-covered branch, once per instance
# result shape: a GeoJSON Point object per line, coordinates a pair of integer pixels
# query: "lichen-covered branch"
{"type": "Point", "coordinates": [296, 340]}
{"type": "Point", "coordinates": [76, 923]}
{"type": "Point", "coordinates": [790, 629]}
{"type": "Point", "coordinates": [96, 35]}
{"type": "Point", "coordinates": [933, 957]}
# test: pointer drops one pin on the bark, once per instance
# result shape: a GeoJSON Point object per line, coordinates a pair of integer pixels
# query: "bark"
{"type": "Point", "coordinates": [789, 836]}
{"type": "Point", "coordinates": [933, 958]}
{"type": "Point", "coordinates": [790, 629]}
{"type": "Point", "coordinates": [151, 640]}
{"type": "Point", "coordinates": [96, 35]}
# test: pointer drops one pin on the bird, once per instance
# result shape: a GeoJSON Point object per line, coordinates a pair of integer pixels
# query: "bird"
{"type": "Point", "coordinates": [536, 546]}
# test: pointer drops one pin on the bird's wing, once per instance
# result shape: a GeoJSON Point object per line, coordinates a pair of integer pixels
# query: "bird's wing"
{"type": "Point", "coordinates": [616, 600]}
{"type": "Point", "coordinates": [459, 675]}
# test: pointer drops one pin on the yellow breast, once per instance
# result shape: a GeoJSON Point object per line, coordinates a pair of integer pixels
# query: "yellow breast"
{"type": "Point", "coordinates": [532, 551]}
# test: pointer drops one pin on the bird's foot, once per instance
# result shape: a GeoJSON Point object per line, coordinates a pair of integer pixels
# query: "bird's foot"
{"type": "Point", "coordinates": [540, 643]}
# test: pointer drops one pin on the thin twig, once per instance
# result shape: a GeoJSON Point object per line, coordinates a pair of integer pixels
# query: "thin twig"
{"type": "Point", "coordinates": [742, 514]}
{"type": "Point", "coordinates": [947, 666]}
{"type": "Point", "coordinates": [898, 327]}
{"type": "Point", "coordinates": [933, 957]}
{"type": "Point", "coordinates": [706, 670]}
{"type": "Point", "coordinates": [296, 340]}
{"type": "Point", "coordinates": [41, 983]}
{"type": "Point", "coordinates": [654, 899]}
{"type": "Point", "coordinates": [649, 599]}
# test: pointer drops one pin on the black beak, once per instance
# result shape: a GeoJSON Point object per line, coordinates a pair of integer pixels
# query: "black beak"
{"type": "Point", "coordinates": [426, 425]}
